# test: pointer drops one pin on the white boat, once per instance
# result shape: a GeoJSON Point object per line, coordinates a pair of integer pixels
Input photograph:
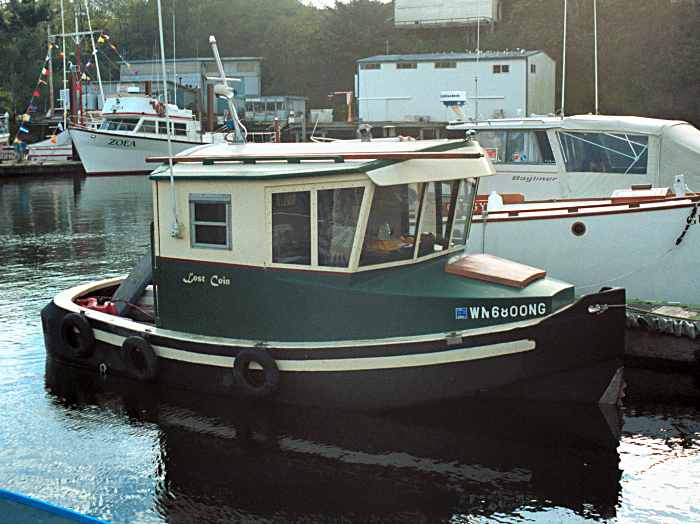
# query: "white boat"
{"type": "Point", "coordinates": [644, 240]}
{"type": "Point", "coordinates": [586, 155]}
{"type": "Point", "coordinates": [133, 128]}
{"type": "Point", "coordinates": [57, 148]}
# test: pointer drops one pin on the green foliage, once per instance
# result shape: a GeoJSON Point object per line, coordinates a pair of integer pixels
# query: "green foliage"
{"type": "Point", "coordinates": [649, 51]}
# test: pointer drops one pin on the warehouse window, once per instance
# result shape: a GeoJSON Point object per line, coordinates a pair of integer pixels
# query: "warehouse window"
{"type": "Point", "coordinates": [210, 221]}
{"type": "Point", "coordinates": [246, 67]}
{"type": "Point", "coordinates": [406, 65]}
{"type": "Point", "coordinates": [501, 68]}
{"type": "Point", "coordinates": [533, 68]}
{"type": "Point", "coordinates": [370, 66]}
{"type": "Point", "coordinates": [445, 65]}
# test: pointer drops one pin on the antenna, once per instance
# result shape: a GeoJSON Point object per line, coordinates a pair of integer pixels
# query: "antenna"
{"type": "Point", "coordinates": [175, 227]}
{"type": "Point", "coordinates": [595, 53]}
{"type": "Point", "coordinates": [225, 90]}
{"type": "Point", "coordinates": [94, 53]}
{"type": "Point", "coordinates": [476, 75]}
{"type": "Point", "coordinates": [174, 64]}
{"type": "Point", "coordinates": [563, 65]}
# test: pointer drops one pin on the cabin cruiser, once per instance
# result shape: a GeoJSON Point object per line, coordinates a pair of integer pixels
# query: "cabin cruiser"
{"type": "Point", "coordinates": [134, 126]}
{"type": "Point", "coordinates": [335, 275]}
{"type": "Point", "coordinates": [585, 156]}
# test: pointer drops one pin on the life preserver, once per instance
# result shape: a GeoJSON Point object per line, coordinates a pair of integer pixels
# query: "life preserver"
{"type": "Point", "coordinates": [77, 336]}
{"type": "Point", "coordinates": [251, 385]}
{"type": "Point", "coordinates": [140, 359]}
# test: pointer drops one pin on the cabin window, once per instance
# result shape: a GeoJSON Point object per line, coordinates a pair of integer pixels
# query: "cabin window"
{"type": "Point", "coordinates": [119, 124]}
{"type": "Point", "coordinates": [291, 227]}
{"type": "Point", "coordinates": [391, 226]}
{"type": "Point", "coordinates": [210, 221]}
{"type": "Point", "coordinates": [338, 212]}
{"type": "Point", "coordinates": [370, 66]}
{"type": "Point", "coordinates": [464, 207]}
{"type": "Point", "coordinates": [533, 68]}
{"type": "Point", "coordinates": [619, 153]}
{"type": "Point", "coordinates": [445, 64]}
{"type": "Point", "coordinates": [501, 68]}
{"type": "Point", "coordinates": [438, 215]}
{"type": "Point", "coordinates": [406, 65]}
{"type": "Point", "coordinates": [162, 130]}
{"type": "Point", "coordinates": [516, 146]}
{"type": "Point", "coordinates": [148, 126]}
{"type": "Point", "coordinates": [180, 129]}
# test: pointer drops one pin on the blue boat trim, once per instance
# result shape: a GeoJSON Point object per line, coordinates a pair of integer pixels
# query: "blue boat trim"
{"type": "Point", "coordinates": [50, 508]}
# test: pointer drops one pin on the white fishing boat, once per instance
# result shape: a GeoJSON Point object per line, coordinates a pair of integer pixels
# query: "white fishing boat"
{"type": "Point", "coordinates": [133, 127]}
{"type": "Point", "coordinates": [586, 156]}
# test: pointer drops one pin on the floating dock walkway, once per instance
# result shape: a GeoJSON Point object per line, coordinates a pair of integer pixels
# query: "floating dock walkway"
{"type": "Point", "coordinates": [11, 169]}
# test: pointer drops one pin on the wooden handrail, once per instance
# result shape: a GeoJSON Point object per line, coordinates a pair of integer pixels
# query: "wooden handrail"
{"type": "Point", "coordinates": [335, 157]}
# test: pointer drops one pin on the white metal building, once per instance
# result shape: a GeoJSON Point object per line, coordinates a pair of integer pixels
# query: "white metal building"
{"type": "Point", "coordinates": [395, 88]}
{"type": "Point", "coordinates": [190, 71]}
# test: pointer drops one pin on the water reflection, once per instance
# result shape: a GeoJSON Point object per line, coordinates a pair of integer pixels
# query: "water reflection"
{"type": "Point", "coordinates": [219, 460]}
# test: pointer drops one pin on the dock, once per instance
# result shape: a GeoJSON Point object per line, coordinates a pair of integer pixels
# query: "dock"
{"type": "Point", "coordinates": [11, 169]}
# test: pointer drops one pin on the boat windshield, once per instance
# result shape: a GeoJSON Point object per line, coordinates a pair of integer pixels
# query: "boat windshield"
{"type": "Point", "coordinates": [119, 124]}
{"type": "Point", "coordinates": [619, 153]}
{"type": "Point", "coordinates": [517, 146]}
{"type": "Point", "coordinates": [439, 211]}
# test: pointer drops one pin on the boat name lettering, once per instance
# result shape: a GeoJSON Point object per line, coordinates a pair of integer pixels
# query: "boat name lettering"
{"type": "Point", "coordinates": [121, 142]}
{"type": "Point", "coordinates": [214, 280]}
{"type": "Point", "coordinates": [530, 178]}
{"type": "Point", "coordinates": [495, 312]}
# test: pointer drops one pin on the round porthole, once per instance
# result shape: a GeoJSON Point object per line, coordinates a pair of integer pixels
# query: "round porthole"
{"type": "Point", "coordinates": [578, 228]}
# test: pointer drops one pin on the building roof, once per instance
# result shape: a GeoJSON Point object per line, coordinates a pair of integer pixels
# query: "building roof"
{"type": "Point", "coordinates": [431, 57]}
{"type": "Point", "coordinates": [223, 59]}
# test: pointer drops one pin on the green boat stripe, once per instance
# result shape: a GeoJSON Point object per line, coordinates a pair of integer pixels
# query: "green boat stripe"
{"type": "Point", "coordinates": [450, 356]}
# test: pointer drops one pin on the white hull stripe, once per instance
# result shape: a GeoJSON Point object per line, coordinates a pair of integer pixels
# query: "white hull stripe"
{"type": "Point", "coordinates": [346, 364]}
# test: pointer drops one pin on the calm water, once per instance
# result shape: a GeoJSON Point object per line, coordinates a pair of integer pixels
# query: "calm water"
{"type": "Point", "coordinates": [116, 450]}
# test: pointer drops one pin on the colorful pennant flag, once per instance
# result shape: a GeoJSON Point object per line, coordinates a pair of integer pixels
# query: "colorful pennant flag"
{"type": "Point", "coordinates": [23, 129]}
{"type": "Point", "coordinates": [53, 139]}
{"type": "Point", "coordinates": [44, 71]}
{"type": "Point", "coordinates": [26, 117]}
{"type": "Point", "coordinates": [42, 82]}
{"type": "Point", "coordinates": [36, 93]}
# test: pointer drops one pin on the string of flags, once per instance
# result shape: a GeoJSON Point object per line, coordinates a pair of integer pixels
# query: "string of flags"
{"type": "Point", "coordinates": [26, 118]}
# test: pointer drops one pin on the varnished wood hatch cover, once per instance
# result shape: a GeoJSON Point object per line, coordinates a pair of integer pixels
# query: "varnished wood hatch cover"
{"type": "Point", "coordinates": [494, 269]}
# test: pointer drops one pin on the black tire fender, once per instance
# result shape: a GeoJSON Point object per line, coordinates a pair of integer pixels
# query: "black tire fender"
{"type": "Point", "coordinates": [77, 336]}
{"type": "Point", "coordinates": [140, 359]}
{"type": "Point", "coordinates": [243, 380]}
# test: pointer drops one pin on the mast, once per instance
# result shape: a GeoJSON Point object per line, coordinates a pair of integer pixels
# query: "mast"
{"type": "Point", "coordinates": [79, 74]}
{"type": "Point", "coordinates": [65, 79]}
{"type": "Point", "coordinates": [174, 64]}
{"type": "Point", "coordinates": [175, 228]}
{"type": "Point", "coordinates": [563, 65]}
{"type": "Point", "coordinates": [595, 53]}
{"type": "Point", "coordinates": [50, 68]}
{"type": "Point", "coordinates": [476, 75]}
{"type": "Point", "coordinates": [94, 53]}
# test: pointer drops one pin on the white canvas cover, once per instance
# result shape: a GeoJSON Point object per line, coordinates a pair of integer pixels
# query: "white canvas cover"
{"type": "Point", "coordinates": [680, 155]}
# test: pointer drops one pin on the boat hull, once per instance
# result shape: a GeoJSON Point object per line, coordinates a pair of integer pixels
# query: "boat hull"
{"type": "Point", "coordinates": [634, 248]}
{"type": "Point", "coordinates": [571, 355]}
{"type": "Point", "coordinates": [104, 153]}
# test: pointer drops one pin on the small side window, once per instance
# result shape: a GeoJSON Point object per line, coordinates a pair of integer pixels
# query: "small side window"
{"type": "Point", "coordinates": [210, 221]}
{"type": "Point", "coordinates": [148, 126]}
{"type": "Point", "coordinates": [180, 129]}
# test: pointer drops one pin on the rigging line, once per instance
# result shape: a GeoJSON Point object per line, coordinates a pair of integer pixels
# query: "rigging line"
{"type": "Point", "coordinates": [65, 82]}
